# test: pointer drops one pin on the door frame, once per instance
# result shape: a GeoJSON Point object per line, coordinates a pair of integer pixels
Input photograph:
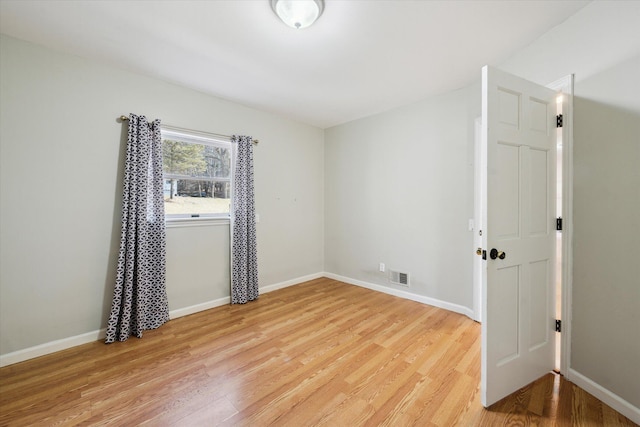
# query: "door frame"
{"type": "Point", "coordinates": [480, 166]}
{"type": "Point", "coordinates": [564, 85]}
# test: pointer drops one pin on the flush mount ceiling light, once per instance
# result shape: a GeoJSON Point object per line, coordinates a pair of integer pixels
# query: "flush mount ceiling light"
{"type": "Point", "coordinates": [298, 13]}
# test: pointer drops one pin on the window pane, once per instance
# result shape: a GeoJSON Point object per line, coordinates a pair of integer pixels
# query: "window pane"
{"type": "Point", "coordinates": [188, 196]}
{"type": "Point", "coordinates": [196, 175]}
{"type": "Point", "coordinates": [195, 160]}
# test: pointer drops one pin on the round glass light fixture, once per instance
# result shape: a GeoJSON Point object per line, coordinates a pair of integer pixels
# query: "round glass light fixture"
{"type": "Point", "coordinates": [298, 13]}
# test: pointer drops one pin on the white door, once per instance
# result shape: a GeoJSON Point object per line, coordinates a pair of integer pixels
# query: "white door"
{"type": "Point", "coordinates": [518, 325]}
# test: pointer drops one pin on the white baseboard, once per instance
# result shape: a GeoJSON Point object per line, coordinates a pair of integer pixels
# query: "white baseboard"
{"type": "Point", "coordinates": [287, 283]}
{"type": "Point", "coordinates": [174, 314]}
{"type": "Point", "coordinates": [606, 396]}
{"type": "Point", "coordinates": [50, 347]}
{"type": "Point", "coordinates": [404, 294]}
{"type": "Point", "coordinates": [65, 343]}
{"type": "Point", "coordinates": [180, 312]}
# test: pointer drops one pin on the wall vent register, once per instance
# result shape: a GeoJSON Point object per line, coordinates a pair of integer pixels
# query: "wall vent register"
{"type": "Point", "coordinates": [399, 278]}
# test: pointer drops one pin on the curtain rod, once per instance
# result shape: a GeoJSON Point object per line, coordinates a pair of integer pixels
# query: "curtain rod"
{"type": "Point", "coordinates": [255, 141]}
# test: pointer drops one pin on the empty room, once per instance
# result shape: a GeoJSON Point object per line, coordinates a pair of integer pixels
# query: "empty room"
{"type": "Point", "coordinates": [319, 212]}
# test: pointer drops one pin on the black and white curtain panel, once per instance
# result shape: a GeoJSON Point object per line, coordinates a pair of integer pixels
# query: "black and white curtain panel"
{"type": "Point", "coordinates": [140, 298]}
{"type": "Point", "coordinates": [244, 258]}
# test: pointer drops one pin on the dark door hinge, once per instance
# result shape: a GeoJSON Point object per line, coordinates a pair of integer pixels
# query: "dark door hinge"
{"type": "Point", "coordinates": [559, 223]}
{"type": "Point", "coordinates": [559, 121]}
{"type": "Point", "coordinates": [558, 325]}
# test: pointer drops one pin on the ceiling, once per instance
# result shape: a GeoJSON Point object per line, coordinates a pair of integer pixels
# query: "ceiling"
{"type": "Point", "coordinates": [360, 58]}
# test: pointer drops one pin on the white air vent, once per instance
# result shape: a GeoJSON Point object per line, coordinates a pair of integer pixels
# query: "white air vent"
{"type": "Point", "coordinates": [399, 278]}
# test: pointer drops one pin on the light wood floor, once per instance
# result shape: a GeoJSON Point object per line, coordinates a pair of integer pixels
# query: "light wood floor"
{"type": "Point", "coordinates": [319, 353]}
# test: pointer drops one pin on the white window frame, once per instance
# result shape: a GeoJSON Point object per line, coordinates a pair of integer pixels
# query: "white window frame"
{"type": "Point", "coordinates": [201, 138]}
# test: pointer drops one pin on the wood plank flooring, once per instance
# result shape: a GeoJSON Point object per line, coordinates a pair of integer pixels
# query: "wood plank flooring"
{"type": "Point", "coordinates": [319, 353]}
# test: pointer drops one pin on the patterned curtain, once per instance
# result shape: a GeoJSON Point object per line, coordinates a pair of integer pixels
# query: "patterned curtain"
{"type": "Point", "coordinates": [140, 298]}
{"type": "Point", "coordinates": [244, 258]}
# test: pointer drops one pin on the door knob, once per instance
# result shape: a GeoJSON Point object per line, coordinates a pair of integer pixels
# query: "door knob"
{"type": "Point", "coordinates": [497, 254]}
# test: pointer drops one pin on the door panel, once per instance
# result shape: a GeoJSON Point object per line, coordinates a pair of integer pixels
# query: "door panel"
{"type": "Point", "coordinates": [504, 312]}
{"type": "Point", "coordinates": [539, 211]}
{"type": "Point", "coordinates": [539, 331]}
{"type": "Point", "coordinates": [539, 114]}
{"type": "Point", "coordinates": [509, 107]}
{"type": "Point", "coordinates": [507, 219]}
{"type": "Point", "coordinates": [518, 135]}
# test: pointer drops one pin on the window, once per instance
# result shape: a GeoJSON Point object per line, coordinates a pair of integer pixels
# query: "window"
{"type": "Point", "coordinates": [197, 175]}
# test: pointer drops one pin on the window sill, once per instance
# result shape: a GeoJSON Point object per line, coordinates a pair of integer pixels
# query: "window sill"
{"type": "Point", "coordinates": [195, 222]}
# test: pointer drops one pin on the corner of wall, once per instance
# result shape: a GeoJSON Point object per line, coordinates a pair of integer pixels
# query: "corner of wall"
{"type": "Point", "coordinates": [616, 402]}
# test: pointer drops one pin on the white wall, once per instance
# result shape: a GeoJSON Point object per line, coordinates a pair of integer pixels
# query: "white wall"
{"type": "Point", "coordinates": [61, 151]}
{"type": "Point", "coordinates": [399, 190]}
{"type": "Point", "coordinates": [606, 273]}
